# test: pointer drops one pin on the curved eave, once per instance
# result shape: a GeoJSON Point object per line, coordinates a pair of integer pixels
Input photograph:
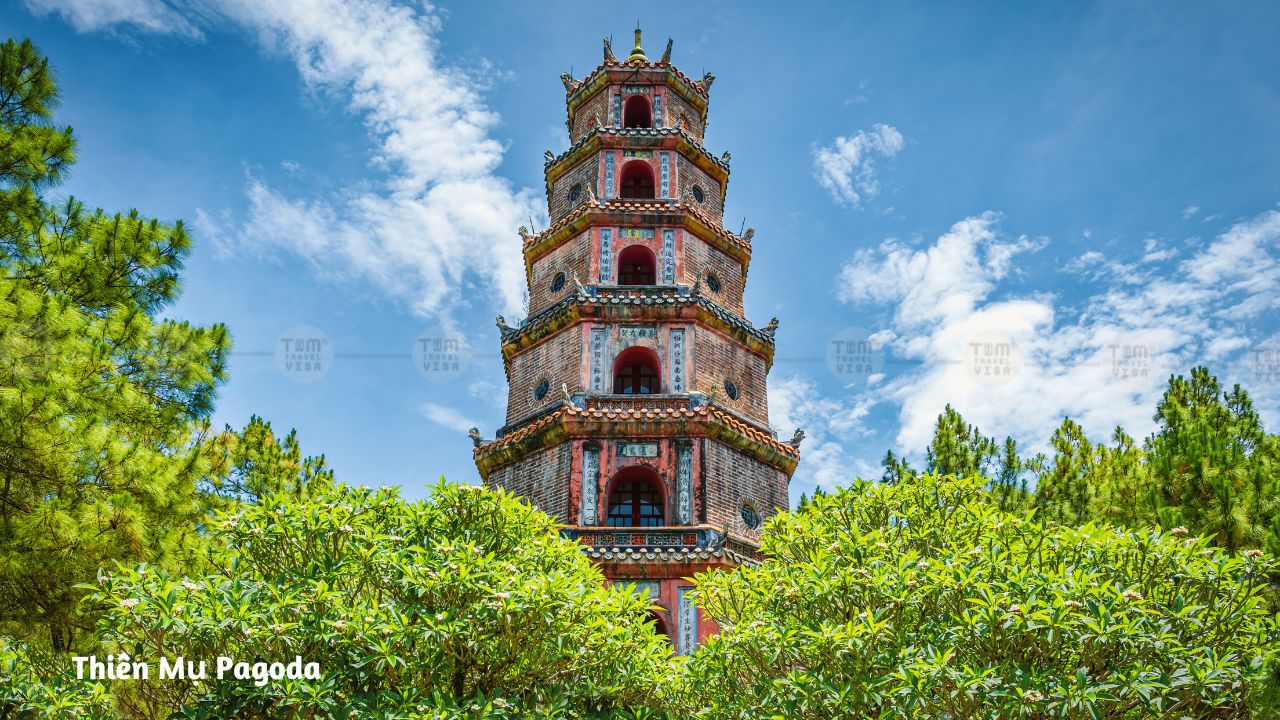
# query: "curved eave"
{"type": "Point", "coordinates": [577, 307]}
{"type": "Point", "coordinates": [572, 422]}
{"type": "Point", "coordinates": [635, 213]}
{"type": "Point", "coordinates": [637, 138]}
{"type": "Point", "coordinates": [615, 73]}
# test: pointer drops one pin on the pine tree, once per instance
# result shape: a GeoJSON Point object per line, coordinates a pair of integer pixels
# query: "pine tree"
{"type": "Point", "coordinates": [103, 405]}
{"type": "Point", "coordinates": [958, 448]}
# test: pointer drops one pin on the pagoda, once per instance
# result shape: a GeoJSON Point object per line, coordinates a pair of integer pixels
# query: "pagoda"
{"type": "Point", "coordinates": [637, 412]}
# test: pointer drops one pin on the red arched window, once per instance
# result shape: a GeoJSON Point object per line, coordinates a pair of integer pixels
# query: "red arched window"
{"type": "Point", "coordinates": [635, 499]}
{"type": "Point", "coordinates": [636, 266]}
{"type": "Point", "coordinates": [637, 181]}
{"type": "Point", "coordinates": [636, 373]}
{"type": "Point", "coordinates": [659, 626]}
{"type": "Point", "coordinates": [636, 113]}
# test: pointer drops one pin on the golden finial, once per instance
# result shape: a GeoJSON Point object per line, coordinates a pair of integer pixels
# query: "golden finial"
{"type": "Point", "coordinates": [637, 53]}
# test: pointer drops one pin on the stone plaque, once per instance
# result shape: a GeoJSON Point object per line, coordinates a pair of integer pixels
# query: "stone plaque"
{"type": "Point", "coordinates": [637, 333]}
{"type": "Point", "coordinates": [658, 119]}
{"type": "Point", "coordinates": [608, 173]}
{"type": "Point", "coordinates": [635, 90]}
{"type": "Point", "coordinates": [597, 359]}
{"type": "Point", "coordinates": [590, 483]}
{"type": "Point", "coordinates": [664, 164]}
{"type": "Point", "coordinates": [617, 111]}
{"type": "Point", "coordinates": [606, 255]}
{"type": "Point", "coordinates": [636, 233]}
{"type": "Point", "coordinates": [684, 482]}
{"type": "Point", "coordinates": [686, 623]}
{"type": "Point", "coordinates": [677, 360]}
{"type": "Point", "coordinates": [669, 257]}
{"type": "Point", "coordinates": [638, 450]}
{"type": "Point", "coordinates": [637, 153]}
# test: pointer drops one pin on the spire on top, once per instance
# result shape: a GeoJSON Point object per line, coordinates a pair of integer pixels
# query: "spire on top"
{"type": "Point", "coordinates": [637, 53]}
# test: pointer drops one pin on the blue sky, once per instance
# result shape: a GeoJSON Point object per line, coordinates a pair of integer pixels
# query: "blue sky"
{"type": "Point", "coordinates": [1093, 187]}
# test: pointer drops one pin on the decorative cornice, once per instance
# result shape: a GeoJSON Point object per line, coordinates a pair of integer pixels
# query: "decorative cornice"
{"type": "Point", "coordinates": [552, 164]}
{"type": "Point", "coordinates": [665, 302]}
{"type": "Point", "coordinates": [693, 91]}
{"type": "Point", "coordinates": [592, 212]}
{"type": "Point", "coordinates": [570, 421]}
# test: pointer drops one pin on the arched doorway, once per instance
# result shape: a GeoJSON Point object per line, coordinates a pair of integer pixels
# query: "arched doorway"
{"type": "Point", "coordinates": [637, 266]}
{"type": "Point", "coordinates": [637, 372]}
{"type": "Point", "coordinates": [636, 113]}
{"type": "Point", "coordinates": [659, 625]}
{"type": "Point", "coordinates": [635, 499]}
{"type": "Point", "coordinates": [637, 181]}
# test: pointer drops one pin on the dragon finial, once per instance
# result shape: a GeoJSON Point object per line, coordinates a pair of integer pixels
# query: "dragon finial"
{"type": "Point", "coordinates": [549, 156]}
{"type": "Point", "coordinates": [771, 329]}
{"type": "Point", "coordinates": [750, 233]}
{"type": "Point", "coordinates": [705, 83]}
{"type": "Point", "coordinates": [476, 439]}
{"type": "Point", "coordinates": [725, 157]}
{"type": "Point", "coordinates": [796, 438]}
{"type": "Point", "coordinates": [666, 54]}
{"type": "Point", "coordinates": [569, 83]}
{"type": "Point", "coordinates": [609, 57]}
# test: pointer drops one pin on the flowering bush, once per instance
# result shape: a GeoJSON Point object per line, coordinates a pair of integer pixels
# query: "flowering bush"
{"type": "Point", "coordinates": [468, 605]}
{"type": "Point", "coordinates": [922, 600]}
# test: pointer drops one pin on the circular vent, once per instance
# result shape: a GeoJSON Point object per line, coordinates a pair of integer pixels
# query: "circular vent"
{"type": "Point", "coordinates": [699, 195]}
{"type": "Point", "coordinates": [557, 282]}
{"type": "Point", "coordinates": [713, 282]}
{"type": "Point", "coordinates": [730, 389]}
{"type": "Point", "coordinates": [750, 517]}
{"type": "Point", "coordinates": [544, 387]}
{"type": "Point", "coordinates": [575, 192]}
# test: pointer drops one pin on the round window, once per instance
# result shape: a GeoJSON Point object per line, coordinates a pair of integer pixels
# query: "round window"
{"type": "Point", "coordinates": [575, 192]}
{"type": "Point", "coordinates": [544, 387]}
{"type": "Point", "coordinates": [557, 282]}
{"type": "Point", "coordinates": [698, 195]}
{"type": "Point", "coordinates": [730, 389]}
{"type": "Point", "coordinates": [713, 282]}
{"type": "Point", "coordinates": [750, 517]}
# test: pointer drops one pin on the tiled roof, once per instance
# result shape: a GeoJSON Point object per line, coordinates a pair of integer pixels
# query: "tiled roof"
{"type": "Point", "coordinates": [665, 555]}
{"type": "Point", "coordinates": [649, 207]}
{"type": "Point", "coordinates": [625, 65]}
{"type": "Point", "coordinates": [673, 297]}
{"type": "Point", "coordinates": [706, 412]}
{"type": "Point", "coordinates": [638, 132]}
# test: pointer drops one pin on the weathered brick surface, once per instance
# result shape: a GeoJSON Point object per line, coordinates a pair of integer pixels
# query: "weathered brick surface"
{"type": "Point", "coordinates": [731, 480]}
{"type": "Point", "coordinates": [543, 477]}
{"type": "Point", "coordinates": [584, 120]}
{"type": "Point", "coordinates": [690, 175]}
{"type": "Point", "coordinates": [574, 256]}
{"type": "Point", "coordinates": [701, 259]}
{"type": "Point", "coordinates": [587, 174]}
{"type": "Point", "coordinates": [717, 358]}
{"type": "Point", "coordinates": [681, 114]}
{"type": "Point", "coordinates": [557, 359]}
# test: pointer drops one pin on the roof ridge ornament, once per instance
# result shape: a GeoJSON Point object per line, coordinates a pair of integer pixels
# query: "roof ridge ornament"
{"type": "Point", "coordinates": [609, 57]}
{"type": "Point", "coordinates": [637, 52]}
{"type": "Point", "coordinates": [666, 54]}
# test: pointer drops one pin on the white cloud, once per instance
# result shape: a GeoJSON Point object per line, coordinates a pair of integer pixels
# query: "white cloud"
{"type": "Point", "coordinates": [1104, 366]}
{"type": "Point", "coordinates": [1190, 210]}
{"type": "Point", "coordinates": [447, 417]}
{"type": "Point", "coordinates": [154, 16]}
{"type": "Point", "coordinates": [795, 402]}
{"type": "Point", "coordinates": [847, 169]}
{"type": "Point", "coordinates": [440, 215]}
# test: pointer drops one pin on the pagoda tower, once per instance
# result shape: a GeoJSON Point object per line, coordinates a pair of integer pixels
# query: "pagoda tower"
{"type": "Point", "coordinates": [637, 411]}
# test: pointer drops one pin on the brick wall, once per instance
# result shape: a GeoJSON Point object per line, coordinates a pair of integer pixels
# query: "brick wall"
{"type": "Point", "coordinates": [558, 359]}
{"type": "Point", "coordinates": [585, 173]}
{"type": "Point", "coordinates": [676, 108]}
{"type": "Point", "coordinates": [542, 478]}
{"type": "Point", "coordinates": [584, 118]}
{"type": "Point", "coordinates": [701, 258]}
{"type": "Point", "coordinates": [689, 175]}
{"type": "Point", "coordinates": [732, 479]}
{"type": "Point", "coordinates": [574, 256]}
{"type": "Point", "coordinates": [716, 358]}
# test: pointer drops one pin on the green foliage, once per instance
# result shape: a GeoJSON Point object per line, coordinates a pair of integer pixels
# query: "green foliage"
{"type": "Point", "coordinates": [924, 600]}
{"type": "Point", "coordinates": [469, 605]}
{"type": "Point", "coordinates": [101, 403]}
